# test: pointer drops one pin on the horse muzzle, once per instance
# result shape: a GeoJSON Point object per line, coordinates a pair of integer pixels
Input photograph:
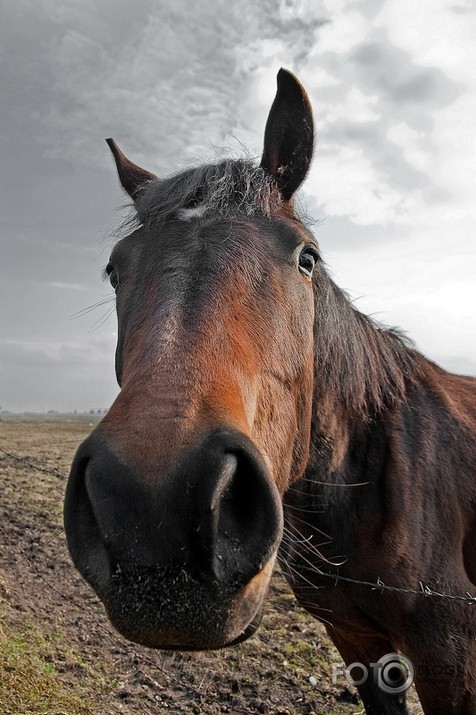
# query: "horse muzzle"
{"type": "Point", "coordinates": [183, 560]}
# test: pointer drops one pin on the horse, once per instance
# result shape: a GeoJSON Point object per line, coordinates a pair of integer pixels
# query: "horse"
{"type": "Point", "coordinates": [262, 417]}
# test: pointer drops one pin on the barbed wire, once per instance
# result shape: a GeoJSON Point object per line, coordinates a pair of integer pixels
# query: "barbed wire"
{"type": "Point", "coordinates": [378, 585]}
{"type": "Point", "coordinates": [31, 465]}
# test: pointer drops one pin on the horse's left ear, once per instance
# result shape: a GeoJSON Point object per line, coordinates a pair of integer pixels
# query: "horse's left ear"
{"type": "Point", "coordinates": [131, 176]}
{"type": "Point", "coordinates": [289, 135]}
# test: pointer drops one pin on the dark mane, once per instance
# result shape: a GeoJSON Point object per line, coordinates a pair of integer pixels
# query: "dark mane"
{"type": "Point", "coordinates": [362, 364]}
{"type": "Point", "coordinates": [224, 188]}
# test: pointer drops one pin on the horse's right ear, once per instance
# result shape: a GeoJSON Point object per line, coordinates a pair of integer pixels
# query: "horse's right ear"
{"type": "Point", "coordinates": [133, 179]}
{"type": "Point", "coordinates": [289, 135]}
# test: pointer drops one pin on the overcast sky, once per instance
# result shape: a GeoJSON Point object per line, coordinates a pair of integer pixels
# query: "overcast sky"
{"type": "Point", "coordinates": [393, 86]}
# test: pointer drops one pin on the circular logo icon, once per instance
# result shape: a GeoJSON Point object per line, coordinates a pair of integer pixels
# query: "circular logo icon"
{"type": "Point", "coordinates": [395, 673]}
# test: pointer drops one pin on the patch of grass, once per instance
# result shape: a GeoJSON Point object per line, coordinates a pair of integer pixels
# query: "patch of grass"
{"type": "Point", "coordinates": [30, 683]}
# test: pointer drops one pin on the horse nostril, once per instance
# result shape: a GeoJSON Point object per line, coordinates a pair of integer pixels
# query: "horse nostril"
{"type": "Point", "coordinates": [248, 519]}
{"type": "Point", "coordinates": [83, 535]}
{"type": "Point", "coordinates": [239, 507]}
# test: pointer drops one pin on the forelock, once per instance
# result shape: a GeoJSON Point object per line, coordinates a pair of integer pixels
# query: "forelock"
{"type": "Point", "coordinates": [225, 189]}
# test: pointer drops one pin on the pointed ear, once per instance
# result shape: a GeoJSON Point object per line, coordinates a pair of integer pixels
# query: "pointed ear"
{"type": "Point", "coordinates": [289, 135]}
{"type": "Point", "coordinates": [131, 176]}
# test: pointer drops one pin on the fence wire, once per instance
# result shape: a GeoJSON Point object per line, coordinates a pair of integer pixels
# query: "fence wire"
{"type": "Point", "coordinates": [379, 585]}
{"type": "Point", "coordinates": [31, 465]}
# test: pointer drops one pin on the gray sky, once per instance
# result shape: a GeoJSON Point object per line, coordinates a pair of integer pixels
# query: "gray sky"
{"type": "Point", "coordinates": [393, 88]}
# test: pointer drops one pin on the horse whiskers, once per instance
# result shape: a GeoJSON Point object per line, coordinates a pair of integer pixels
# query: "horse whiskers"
{"type": "Point", "coordinates": [89, 308]}
{"type": "Point", "coordinates": [100, 321]}
{"type": "Point", "coordinates": [311, 548]}
{"type": "Point", "coordinates": [298, 541]}
{"type": "Point", "coordinates": [304, 510]}
{"type": "Point", "coordinates": [300, 520]}
{"type": "Point", "coordinates": [103, 319]}
{"type": "Point", "coordinates": [313, 481]}
{"type": "Point", "coordinates": [313, 552]}
{"type": "Point", "coordinates": [312, 588]}
{"type": "Point", "coordinates": [291, 571]}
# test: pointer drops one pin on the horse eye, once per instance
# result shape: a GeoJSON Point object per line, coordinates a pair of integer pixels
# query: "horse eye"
{"type": "Point", "coordinates": [112, 275]}
{"type": "Point", "coordinates": [307, 261]}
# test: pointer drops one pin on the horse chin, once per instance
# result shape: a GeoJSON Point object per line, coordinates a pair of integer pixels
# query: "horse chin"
{"type": "Point", "coordinates": [175, 612]}
{"type": "Point", "coordinates": [160, 641]}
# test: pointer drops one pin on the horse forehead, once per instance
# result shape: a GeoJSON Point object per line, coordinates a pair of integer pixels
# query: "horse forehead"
{"type": "Point", "coordinates": [189, 266]}
{"type": "Point", "coordinates": [197, 237]}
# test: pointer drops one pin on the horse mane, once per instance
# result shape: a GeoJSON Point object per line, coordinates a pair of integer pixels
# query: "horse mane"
{"type": "Point", "coordinates": [362, 364]}
{"type": "Point", "coordinates": [225, 188]}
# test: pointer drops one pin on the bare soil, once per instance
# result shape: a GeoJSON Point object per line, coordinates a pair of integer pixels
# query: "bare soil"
{"type": "Point", "coordinates": [60, 656]}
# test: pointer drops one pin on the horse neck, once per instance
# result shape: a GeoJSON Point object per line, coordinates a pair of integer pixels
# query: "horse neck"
{"type": "Point", "coordinates": [361, 372]}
